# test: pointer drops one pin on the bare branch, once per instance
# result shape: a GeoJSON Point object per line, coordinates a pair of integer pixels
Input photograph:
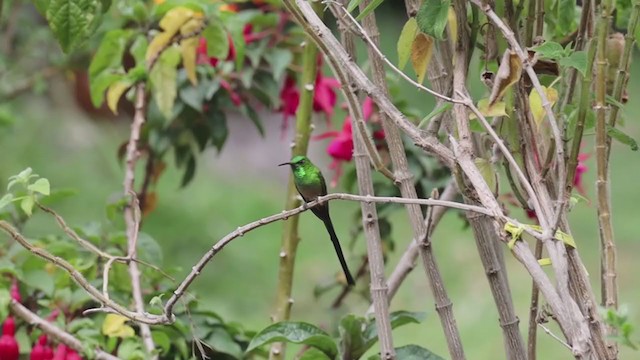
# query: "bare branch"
{"type": "Point", "coordinates": [54, 331]}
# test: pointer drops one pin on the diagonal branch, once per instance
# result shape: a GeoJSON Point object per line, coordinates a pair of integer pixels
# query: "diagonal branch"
{"type": "Point", "coordinates": [52, 330]}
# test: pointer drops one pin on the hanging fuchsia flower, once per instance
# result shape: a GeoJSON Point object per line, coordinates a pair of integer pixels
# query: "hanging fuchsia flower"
{"type": "Point", "coordinates": [9, 349]}
{"type": "Point", "coordinates": [325, 97]}
{"type": "Point", "coordinates": [289, 100]}
{"type": "Point", "coordinates": [580, 170]}
{"type": "Point", "coordinates": [41, 350]}
{"type": "Point", "coordinates": [341, 147]}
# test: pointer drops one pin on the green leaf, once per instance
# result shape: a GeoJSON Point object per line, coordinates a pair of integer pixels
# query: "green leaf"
{"type": "Point", "coordinates": [5, 299]}
{"type": "Point", "coordinates": [566, 15]}
{"type": "Point", "coordinates": [577, 60]}
{"type": "Point", "coordinates": [163, 78]}
{"type": "Point", "coordinates": [297, 333]}
{"type": "Point", "coordinates": [110, 52]}
{"type": "Point", "coordinates": [162, 340]}
{"type": "Point", "coordinates": [409, 31]}
{"type": "Point", "coordinates": [6, 200]}
{"type": "Point", "coordinates": [415, 352]}
{"type": "Point", "coordinates": [99, 84]}
{"type": "Point", "coordinates": [279, 60]}
{"type": "Point", "coordinates": [193, 97]}
{"type": "Point", "coordinates": [550, 50]}
{"type": "Point", "coordinates": [353, 4]}
{"type": "Point", "coordinates": [217, 122]}
{"type": "Point", "coordinates": [149, 250]}
{"type": "Point", "coordinates": [369, 9]}
{"type": "Point", "coordinates": [139, 49]}
{"type": "Point", "coordinates": [40, 186]}
{"type": "Point", "coordinates": [27, 204]}
{"type": "Point", "coordinates": [73, 21]}
{"type": "Point", "coordinates": [397, 319]}
{"type": "Point", "coordinates": [249, 112]}
{"type": "Point", "coordinates": [445, 106]}
{"type": "Point", "coordinates": [217, 40]}
{"type": "Point", "coordinates": [314, 354]}
{"type": "Point", "coordinates": [622, 137]}
{"type": "Point", "coordinates": [353, 343]}
{"type": "Point", "coordinates": [40, 280]}
{"type": "Point", "coordinates": [189, 171]}
{"type": "Point", "coordinates": [432, 17]}
{"type": "Point", "coordinates": [221, 341]}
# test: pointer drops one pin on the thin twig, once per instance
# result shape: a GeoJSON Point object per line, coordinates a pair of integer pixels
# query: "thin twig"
{"type": "Point", "coordinates": [131, 220]}
{"type": "Point", "coordinates": [550, 333]}
{"type": "Point", "coordinates": [55, 332]}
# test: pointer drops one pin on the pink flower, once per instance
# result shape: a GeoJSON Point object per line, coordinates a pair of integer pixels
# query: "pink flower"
{"type": "Point", "coordinates": [289, 100]}
{"type": "Point", "coordinates": [9, 349]}
{"type": "Point", "coordinates": [324, 96]}
{"type": "Point", "coordinates": [580, 170]}
{"type": "Point", "coordinates": [341, 147]}
{"type": "Point", "coordinates": [41, 350]}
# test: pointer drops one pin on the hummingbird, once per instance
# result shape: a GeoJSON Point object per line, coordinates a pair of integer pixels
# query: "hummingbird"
{"type": "Point", "coordinates": [310, 184]}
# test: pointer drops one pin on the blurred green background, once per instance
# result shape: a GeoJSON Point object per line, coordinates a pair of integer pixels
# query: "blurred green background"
{"type": "Point", "coordinates": [241, 184]}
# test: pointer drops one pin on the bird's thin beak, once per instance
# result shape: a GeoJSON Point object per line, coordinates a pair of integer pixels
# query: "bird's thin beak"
{"type": "Point", "coordinates": [287, 163]}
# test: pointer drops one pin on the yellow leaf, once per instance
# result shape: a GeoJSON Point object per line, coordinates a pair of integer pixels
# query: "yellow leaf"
{"type": "Point", "coordinates": [407, 35]}
{"type": "Point", "coordinates": [189, 46]}
{"type": "Point", "coordinates": [453, 25]}
{"type": "Point", "coordinates": [114, 326]}
{"type": "Point", "coordinates": [535, 103]}
{"type": "Point", "coordinates": [171, 23]}
{"type": "Point", "coordinates": [544, 261]}
{"type": "Point", "coordinates": [508, 74]}
{"type": "Point", "coordinates": [515, 231]}
{"type": "Point", "coordinates": [114, 92]}
{"type": "Point", "coordinates": [421, 51]}
{"type": "Point", "coordinates": [497, 109]}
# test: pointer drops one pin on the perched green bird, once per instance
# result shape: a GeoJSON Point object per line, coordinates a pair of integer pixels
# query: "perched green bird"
{"type": "Point", "coordinates": [310, 184]}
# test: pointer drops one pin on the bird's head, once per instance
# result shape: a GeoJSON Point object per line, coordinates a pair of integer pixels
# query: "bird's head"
{"type": "Point", "coordinates": [297, 161]}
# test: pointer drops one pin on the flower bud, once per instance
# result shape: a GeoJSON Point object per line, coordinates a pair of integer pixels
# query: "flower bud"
{"type": "Point", "coordinates": [9, 349]}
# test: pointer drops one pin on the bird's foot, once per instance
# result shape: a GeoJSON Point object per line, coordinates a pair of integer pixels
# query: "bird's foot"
{"type": "Point", "coordinates": [305, 206]}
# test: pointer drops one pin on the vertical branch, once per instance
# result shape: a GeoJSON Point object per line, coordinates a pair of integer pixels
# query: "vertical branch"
{"type": "Point", "coordinates": [132, 220]}
{"type": "Point", "coordinates": [623, 68]}
{"type": "Point", "coordinates": [533, 311]}
{"type": "Point", "coordinates": [378, 286]}
{"type": "Point", "coordinates": [444, 306]}
{"type": "Point", "coordinates": [290, 237]}
{"type": "Point", "coordinates": [608, 256]}
{"type": "Point", "coordinates": [374, 244]}
{"type": "Point", "coordinates": [484, 229]}
{"type": "Point", "coordinates": [583, 106]}
{"type": "Point", "coordinates": [407, 262]}
{"type": "Point", "coordinates": [407, 189]}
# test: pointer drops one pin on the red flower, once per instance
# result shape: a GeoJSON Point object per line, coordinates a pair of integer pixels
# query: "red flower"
{"type": "Point", "coordinates": [341, 147]}
{"type": "Point", "coordinates": [324, 96]}
{"type": "Point", "coordinates": [289, 100]}
{"type": "Point", "coordinates": [580, 170]}
{"type": "Point", "coordinates": [61, 352]}
{"type": "Point", "coordinates": [9, 349]}
{"type": "Point", "coordinates": [201, 52]}
{"type": "Point", "coordinates": [41, 350]}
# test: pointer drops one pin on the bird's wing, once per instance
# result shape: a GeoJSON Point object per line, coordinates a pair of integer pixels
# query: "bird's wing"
{"type": "Point", "coordinates": [323, 184]}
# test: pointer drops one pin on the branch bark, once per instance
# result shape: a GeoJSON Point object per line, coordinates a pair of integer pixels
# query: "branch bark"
{"type": "Point", "coordinates": [55, 332]}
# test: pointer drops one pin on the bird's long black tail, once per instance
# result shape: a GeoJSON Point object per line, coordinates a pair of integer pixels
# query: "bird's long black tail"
{"type": "Point", "coordinates": [336, 244]}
